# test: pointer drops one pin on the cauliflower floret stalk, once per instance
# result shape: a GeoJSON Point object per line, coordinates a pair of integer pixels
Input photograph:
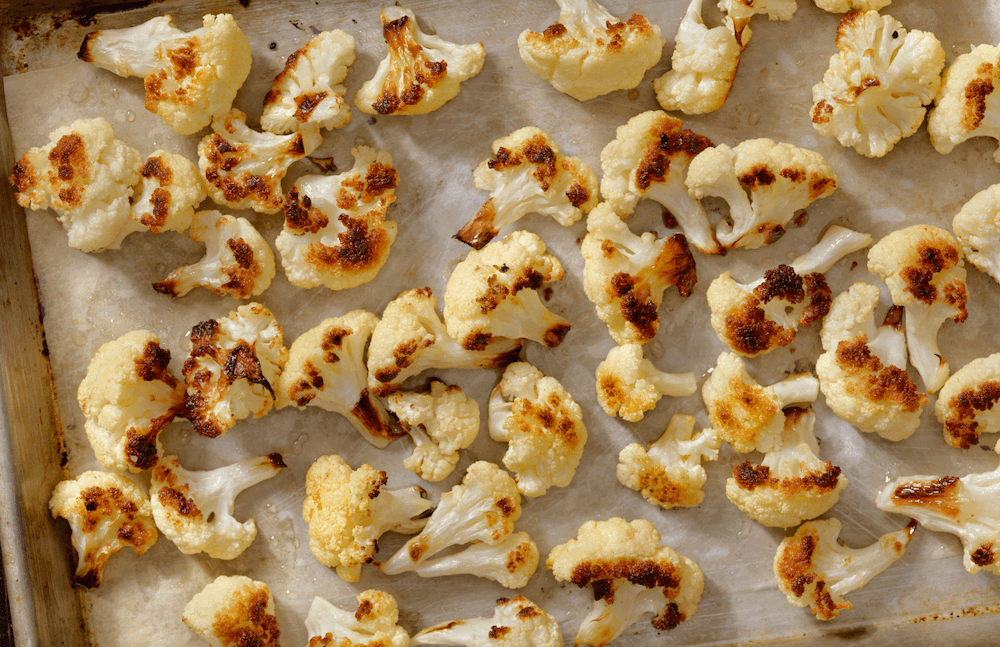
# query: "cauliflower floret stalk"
{"type": "Point", "coordinates": [542, 425]}
{"type": "Point", "coordinates": [874, 92]}
{"type": "Point", "coordinates": [516, 621]}
{"type": "Point", "coordinates": [420, 73]}
{"type": "Point", "coordinates": [702, 67]}
{"type": "Point", "coordinates": [348, 510]}
{"type": "Point", "coordinates": [757, 317]}
{"type": "Point", "coordinates": [749, 416]}
{"type": "Point", "coordinates": [966, 103]}
{"type": "Point", "coordinates": [335, 230]}
{"type": "Point", "coordinates": [739, 13]}
{"type": "Point", "coordinates": [307, 92]}
{"type": "Point", "coordinates": [781, 180]}
{"type": "Point", "coordinates": [977, 227]}
{"type": "Point", "coordinates": [863, 372]}
{"type": "Point", "coordinates": [232, 364]}
{"type": "Point", "coordinates": [649, 158]}
{"type": "Point", "coordinates": [625, 275]}
{"type": "Point", "coordinates": [589, 52]}
{"type": "Point", "coordinates": [128, 398]}
{"type": "Point", "coordinates": [483, 508]}
{"type": "Point", "coordinates": [669, 473]}
{"type": "Point", "coordinates": [167, 193]}
{"type": "Point", "coordinates": [628, 385]}
{"type": "Point", "coordinates": [238, 261]}
{"type": "Point", "coordinates": [528, 174]}
{"type": "Point", "coordinates": [791, 484]}
{"type": "Point", "coordinates": [512, 562]}
{"type": "Point", "coordinates": [411, 338]}
{"type": "Point", "coordinates": [86, 175]}
{"type": "Point", "coordinates": [440, 420]}
{"type": "Point", "coordinates": [373, 623]}
{"type": "Point", "coordinates": [190, 77]}
{"type": "Point", "coordinates": [814, 570]}
{"type": "Point", "coordinates": [631, 574]}
{"type": "Point", "coordinates": [922, 265]}
{"type": "Point", "coordinates": [106, 512]}
{"type": "Point", "coordinates": [967, 403]}
{"type": "Point", "coordinates": [194, 509]}
{"type": "Point", "coordinates": [243, 169]}
{"type": "Point", "coordinates": [233, 611]}
{"type": "Point", "coordinates": [326, 369]}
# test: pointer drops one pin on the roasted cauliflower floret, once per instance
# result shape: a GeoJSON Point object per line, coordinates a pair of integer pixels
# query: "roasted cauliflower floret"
{"type": "Point", "coordinates": [106, 513]}
{"type": "Point", "coordinates": [168, 191]}
{"type": "Point", "coordinates": [511, 563]}
{"type": "Point", "coordinates": [628, 385]}
{"type": "Point", "coordinates": [966, 106]}
{"type": "Point", "coordinates": [843, 6]}
{"type": "Point", "coordinates": [517, 622]}
{"type": "Point", "coordinates": [373, 623]}
{"type": "Point", "coordinates": [967, 403]}
{"type": "Point", "coordinates": [977, 227]}
{"type": "Point", "coordinates": [739, 13]}
{"type": "Point", "coordinates": [421, 72]}
{"type": "Point", "coordinates": [233, 611]}
{"type": "Point", "coordinates": [874, 92]}
{"type": "Point", "coordinates": [528, 174]}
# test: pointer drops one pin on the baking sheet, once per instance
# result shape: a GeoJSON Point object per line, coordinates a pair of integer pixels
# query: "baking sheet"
{"type": "Point", "coordinates": [91, 299]}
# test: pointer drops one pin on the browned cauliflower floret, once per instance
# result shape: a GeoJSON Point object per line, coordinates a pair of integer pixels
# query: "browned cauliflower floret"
{"type": "Point", "coordinates": [372, 624]}
{"type": "Point", "coordinates": [234, 612]}
{"type": "Point", "coordinates": [517, 622]}
{"type": "Point", "coordinates": [628, 385]}
{"type": "Point", "coordinates": [167, 193]}
{"type": "Point", "coordinates": [967, 403]}
{"type": "Point", "coordinates": [967, 101]}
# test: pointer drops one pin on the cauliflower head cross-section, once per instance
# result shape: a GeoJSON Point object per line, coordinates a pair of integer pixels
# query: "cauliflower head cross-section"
{"type": "Point", "coordinates": [234, 611]}
{"type": "Point", "coordinates": [967, 403]}
{"type": "Point", "coordinates": [967, 101]}
{"type": "Point", "coordinates": [628, 385]}
{"type": "Point", "coordinates": [977, 227]}
{"type": "Point", "coordinates": [373, 623]}
{"type": "Point", "coordinates": [516, 622]}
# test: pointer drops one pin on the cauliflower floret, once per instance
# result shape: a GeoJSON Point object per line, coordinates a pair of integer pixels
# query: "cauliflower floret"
{"type": "Point", "coordinates": [625, 275]}
{"type": "Point", "coordinates": [441, 421]}
{"type": "Point", "coordinates": [238, 261]}
{"type": "Point", "coordinates": [814, 570]}
{"type": "Point", "coordinates": [421, 72]}
{"type": "Point", "coordinates": [628, 385]}
{"type": "Point", "coordinates": [791, 484]}
{"type": "Point", "coordinates": [517, 622]}
{"type": "Point", "coordinates": [670, 473]}
{"type": "Point", "coordinates": [232, 364]}
{"type": "Point", "coordinates": [966, 405]}
{"type": "Point", "coordinates": [86, 176]}
{"type": "Point", "coordinates": [167, 193]}
{"type": "Point", "coordinates": [243, 169]}
{"type": "Point", "coordinates": [335, 230]}
{"type": "Point", "coordinates": [348, 510]}
{"type": "Point", "coordinates": [631, 574]}
{"type": "Point", "coordinates": [843, 6]}
{"type": "Point", "coordinates": [194, 509]}
{"type": "Point", "coordinates": [757, 317]}
{"type": "Point", "coordinates": [781, 179]}
{"type": "Point", "coordinates": [874, 92]}
{"type": "Point", "coordinates": [128, 398]}
{"type": "Point", "coordinates": [190, 77]}
{"type": "Point", "coordinates": [702, 67]}
{"type": "Point", "coordinates": [528, 174]}
{"type": "Point", "coordinates": [747, 415]}
{"type": "Point", "coordinates": [863, 372]}
{"type": "Point", "coordinates": [494, 293]}
{"type": "Point", "coordinates": [589, 52]}
{"type": "Point", "coordinates": [106, 512]}
{"type": "Point", "coordinates": [977, 227]}
{"type": "Point", "coordinates": [411, 338]}
{"type": "Point", "coordinates": [233, 611]}
{"type": "Point", "coordinates": [373, 623]}
{"type": "Point", "coordinates": [511, 562]}
{"type": "Point", "coordinates": [307, 92]}
{"type": "Point", "coordinates": [739, 13]}
{"type": "Point", "coordinates": [542, 425]}
{"type": "Point", "coordinates": [966, 106]}
{"type": "Point", "coordinates": [922, 265]}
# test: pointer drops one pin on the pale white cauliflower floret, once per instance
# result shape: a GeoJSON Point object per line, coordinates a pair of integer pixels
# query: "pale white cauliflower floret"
{"type": "Point", "coordinates": [966, 104]}
{"type": "Point", "coordinates": [511, 562]}
{"type": "Point", "coordinates": [739, 13]}
{"type": "Point", "coordinates": [233, 611]}
{"type": "Point", "coordinates": [977, 227]}
{"type": "Point", "coordinates": [168, 191]}
{"type": "Point", "coordinates": [843, 6]}
{"type": "Point", "coordinates": [967, 403]}
{"type": "Point", "coordinates": [517, 622]}
{"type": "Point", "coordinates": [628, 385]}
{"type": "Point", "coordinates": [373, 623]}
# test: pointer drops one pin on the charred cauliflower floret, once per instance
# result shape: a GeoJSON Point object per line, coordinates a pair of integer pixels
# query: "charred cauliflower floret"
{"type": "Point", "coordinates": [231, 368]}
{"type": "Point", "coordinates": [669, 473]}
{"type": "Point", "coordinates": [233, 611]}
{"type": "Point", "coordinates": [528, 174]}
{"type": "Point", "coordinates": [106, 513]}
{"type": "Point", "coordinates": [542, 425]}
{"type": "Point", "coordinates": [631, 574]}
{"type": "Point", "coordinates": [510, 563]}
{"type": "Point", "coordinates": [190, 77]}
{"type": "Point", "coordinates": [966, 106]}
{"type": "Point", "coordinates": [967, 403]}
{"type": "Point", "coordinates": [922, 265]}
{"type": "Point", "coordinates": [494, 293]}
{"type": "Point", "coordinates": [814, 570]}
{"type": "Point", "coordinates": [874, 92]}
{"type": "Point", "coordinates": [243, 169]}
{"type": "Point", "coordinates": [348, 510]}
{"type": "Point", "coordinates": [335, 230]}
{"type": "Point", "coordinates": [589, 52]}
{"type": "Point", "coordinates": [628, 385]}
{"type": "Point", "coordinates": [307, 92]}
{"type": "Point", "coordinates": [977, 227]}
{"type": "Point", "coordinates": [517, 622]}
{"type": "Point", "coordinates": [420, 73]}
{"type": "Point", "coordinates": [373, 623]}
{"type": "Point", "coordinates": [86, 176]}
{"type": "Point", "coordinates": [168, 191]}
{"type": "Point", "coordinates": [625, 275]}
{"type": "Point", "coordinates": [791, 484]}
{"type": "Point", "coordinates": [863, 372]}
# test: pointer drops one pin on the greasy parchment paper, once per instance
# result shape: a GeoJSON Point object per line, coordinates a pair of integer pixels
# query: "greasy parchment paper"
{"type": "Point", "coordinates": [90, 299]}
